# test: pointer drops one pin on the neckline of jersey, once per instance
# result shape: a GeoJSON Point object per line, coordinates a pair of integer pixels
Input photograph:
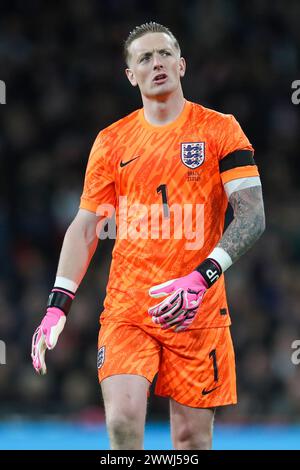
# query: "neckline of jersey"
{"type": "Point", "coordinates": [179, 120]}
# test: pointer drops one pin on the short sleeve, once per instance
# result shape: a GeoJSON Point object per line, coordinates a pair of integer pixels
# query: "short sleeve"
{"type": "Point", "coordinates": [235, 152]}
{"type": "Point", "coordinates": [99, 186]}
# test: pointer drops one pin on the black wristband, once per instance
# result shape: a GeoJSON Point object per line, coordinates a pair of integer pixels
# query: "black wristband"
{"type": "Point", "coordinates": [210, 270]}
{"type": "Point", "coordinates": [62, 300]}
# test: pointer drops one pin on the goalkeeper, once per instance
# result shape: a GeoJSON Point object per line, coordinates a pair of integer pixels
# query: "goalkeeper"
{"type": "Point", "coordinates": [165, 311]}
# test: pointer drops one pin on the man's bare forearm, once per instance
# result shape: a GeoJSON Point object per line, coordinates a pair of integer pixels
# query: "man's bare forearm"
{"type": "Point", "coordinates": [78, 248]}
{"type": "Point", "coordinates": [248, 223]}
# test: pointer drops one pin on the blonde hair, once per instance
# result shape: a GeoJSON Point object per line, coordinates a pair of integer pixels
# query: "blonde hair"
{"type": "Point", "coordinates": [143, 29]}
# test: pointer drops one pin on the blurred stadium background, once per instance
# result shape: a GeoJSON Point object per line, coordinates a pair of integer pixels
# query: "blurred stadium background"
{"type": "Point", "coordinates": [63, 69]}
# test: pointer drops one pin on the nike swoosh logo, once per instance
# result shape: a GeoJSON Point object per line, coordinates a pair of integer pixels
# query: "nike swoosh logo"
{"type": "Point", "coordinates": [129, 161]}
{"type": "Point", "coordinates": [206, 392]}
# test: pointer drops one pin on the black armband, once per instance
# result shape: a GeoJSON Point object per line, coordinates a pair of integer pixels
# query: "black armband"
{"type": "Point", "coordinates": [210, 270]}
{"type": "Point", "coordinates": [238, 158]}
{"type": "Point", "coordinates": [61, 298]}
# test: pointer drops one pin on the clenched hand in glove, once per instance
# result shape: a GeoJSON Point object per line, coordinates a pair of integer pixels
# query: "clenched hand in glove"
{"type": "Point", "coordinates": [185, 295]}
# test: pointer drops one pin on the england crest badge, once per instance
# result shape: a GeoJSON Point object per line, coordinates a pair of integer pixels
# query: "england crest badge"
{"type": "Point", "coordinates": [101, 357]}
{"type": "Point", "coordinates": [193, 154]}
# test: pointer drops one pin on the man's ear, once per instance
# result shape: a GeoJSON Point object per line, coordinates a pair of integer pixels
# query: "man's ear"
{"type": "Point", "coordinates": [182, 66]}
{"type": "Point", "coordinates": [131, 77]}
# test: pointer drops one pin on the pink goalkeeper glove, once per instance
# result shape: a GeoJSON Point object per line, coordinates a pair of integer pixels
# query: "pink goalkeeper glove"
{"type": "Point", "coordinates": [47, 333]}
{"type": "Point", "coordinates": [180, 308]}
{"type": "Point", "coordinates": [185, 296]}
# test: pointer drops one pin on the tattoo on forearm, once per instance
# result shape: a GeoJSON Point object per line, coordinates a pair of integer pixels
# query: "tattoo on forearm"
{"type": "Point", "coordinates": [248, 223]}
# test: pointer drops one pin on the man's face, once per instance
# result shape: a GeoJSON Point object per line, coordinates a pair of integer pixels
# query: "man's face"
{"type": "Point", "coordinates": [155, 65]}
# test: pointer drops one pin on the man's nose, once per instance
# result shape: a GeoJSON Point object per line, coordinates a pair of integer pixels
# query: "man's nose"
{"type": "Point", "coordinates": [157, 63]}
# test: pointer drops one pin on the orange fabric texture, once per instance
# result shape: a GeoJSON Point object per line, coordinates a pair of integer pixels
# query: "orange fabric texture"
{"type": "Point", "coordinates": [196, 367]}
{"type": "Point", "coordinates": [239, 172]}
{"type": "Point", "coordinates": [147, 165]}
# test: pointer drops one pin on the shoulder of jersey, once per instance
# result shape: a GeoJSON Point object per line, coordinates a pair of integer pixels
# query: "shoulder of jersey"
{"type": "Point", "coordinates": [111, 130]}
{"type": "Point", "coordinates": [210, 114]}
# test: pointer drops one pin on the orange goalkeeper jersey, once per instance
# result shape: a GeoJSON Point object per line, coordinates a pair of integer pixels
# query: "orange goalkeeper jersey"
{"type": "Point", "coordinates": [166, 184]}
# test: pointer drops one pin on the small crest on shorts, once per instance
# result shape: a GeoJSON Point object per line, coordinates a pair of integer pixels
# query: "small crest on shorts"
{"type": "Point", "coordinates": [192, 154]}
{"type": "Point", "coordinates": [100, 357]}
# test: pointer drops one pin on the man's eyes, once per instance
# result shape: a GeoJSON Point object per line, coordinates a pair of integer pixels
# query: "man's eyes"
{"type": "Point", "coordinates": [147, 57]}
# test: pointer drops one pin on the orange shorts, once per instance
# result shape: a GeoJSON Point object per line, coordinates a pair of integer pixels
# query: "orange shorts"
{"type": "Point", "coordinates": [195, 367]}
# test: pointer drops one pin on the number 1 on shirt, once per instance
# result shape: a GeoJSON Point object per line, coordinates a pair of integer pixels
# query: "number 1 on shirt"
{"type": "Point", "coordinates": [163, 189]}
